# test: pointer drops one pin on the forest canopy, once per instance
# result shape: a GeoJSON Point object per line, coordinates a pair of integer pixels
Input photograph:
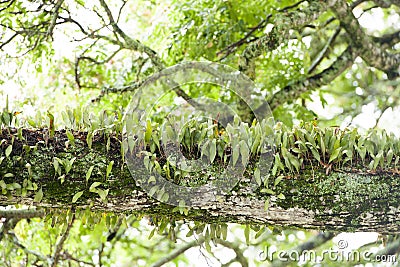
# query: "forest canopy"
{"type": "Point", "coordinates": [141, 133]}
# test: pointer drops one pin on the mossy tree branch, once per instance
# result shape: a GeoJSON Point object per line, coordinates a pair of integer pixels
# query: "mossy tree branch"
{"type": "Point", "coordinates": [319, 196]}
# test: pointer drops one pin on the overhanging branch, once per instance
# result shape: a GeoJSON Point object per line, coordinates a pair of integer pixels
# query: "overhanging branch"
{"type": "Point", "coordinates": [344, 198]}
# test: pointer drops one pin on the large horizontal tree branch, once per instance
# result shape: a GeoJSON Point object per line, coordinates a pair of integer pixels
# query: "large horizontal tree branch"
{"type": "Point", "coordinates": [341, 200]}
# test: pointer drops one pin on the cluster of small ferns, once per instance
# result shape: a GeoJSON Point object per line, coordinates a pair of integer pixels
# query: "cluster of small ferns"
{"type": "Point", "coordinates": [237, 143]}
{"type": "Point", "coordinates": [12, 153]}
{"type": "Point", "coordinates": [205, 141]}
{"type": "Point", "coordinates": [211, 232]}
{"type": "Point", "coordinates": [331, 146]}
{"type": "Point", "coordinates": [303, 146]}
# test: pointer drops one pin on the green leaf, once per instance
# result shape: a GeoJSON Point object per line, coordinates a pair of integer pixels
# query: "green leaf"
{"type": "Point", "coordinates": [102, 193]}
{"type": "Point", "coordinates": [213, 150]}
{"type": "Point", "coordinates": [278, 179]}
{"type": "Point", "coordinates": [164, 197]}
{"type": "Point", "coordinates": [71, 137]}
{"type": "Point", "coordinates": [247, 234]}
{"type": "Point", "coordinates": [281, 196]}
{"type": "Point", "coordinates": [335, 154]}
{"type": "Point", "coordinates": [181, 203]}
{"type": "Point", "coordinates": [57, 162]}
{"type": "Point", "coordinates": [315, 154]}
{"type": "Point", "coordinates": [322, 145]}
{"type": "Point", "coordinates": [235, 154]}
{"type": "Point", "coordinates": [260, 232]}
{"type": "Point", "coordinates": [152, 233]}
{"type": "Point", "coordinates": [151, 179]}
{"type": "Point", "coordinates": [389, 157]}
{"type": "Point", "coordinates": [153, 190]}
{"type": "Point", "coordinates": [204, 147]}
{"type": "Point", "coordinates": [146, 162]}
{"type": "Point", "coordinates": [109, 168]}
{"type": "Point", "coordinates": [266, 204]}
{"type": "Point", "coordinates": [8, 151]}
{"type": "Point", "coordinates": [68, 166]}
{"type": "Point", "coordinates": [224, 231]}
{"type": "Point", "coordinates": [244, 152]}
{"type": "Point", "coordinates": [147, 134]}
{"type": "Point", "coordinates": [93, 186]}
{"type": "Point", "coordinates": [268, 191]}
{"type": "Point", "coordinates": [77, 196]}
{"type": "Point", "coordinates": [62, 178]}
{"type": "Point", "coordinates": [89, 139]}
{"type": "Point", "coordinates": [38, 196]}
{"type": "Point", "coordinates": [293, 161]}
{"type": "Point", "coordinates": [89, 173]}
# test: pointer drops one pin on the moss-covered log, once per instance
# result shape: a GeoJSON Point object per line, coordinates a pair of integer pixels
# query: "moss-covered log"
{"type": "Point", "coordinates": [342, 200]}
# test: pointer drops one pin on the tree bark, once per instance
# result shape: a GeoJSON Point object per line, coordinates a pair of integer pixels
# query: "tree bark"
{"type": "Point", "coordinates": [343, 200]}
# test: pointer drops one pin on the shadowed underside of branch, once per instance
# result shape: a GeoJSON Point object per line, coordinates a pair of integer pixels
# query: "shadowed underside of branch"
{"type": "Point", "coordinates": [342, 200]}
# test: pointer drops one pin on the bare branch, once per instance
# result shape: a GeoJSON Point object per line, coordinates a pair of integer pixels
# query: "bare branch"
{"type": "Point", "coordinates": [120, 9]}
{"type": "Point", "coordinates": [128, 88]}
{"type": "Point", "coordinates": [67, 256]}
{"type": "Point", "coordinates": [94, 61]}
{"type": "Point", "coordinates": [133, 44]}
{"type": "Point", "coordinates": [8, 41]}
{"type": "Point", "coordinates": [178, 252]}
{"type": "Point", "coordinates": [245, 40]}
{"type": "Point", "coordinates": [7, 6]}
{"type": "Point", "coordinates": [21, 214]}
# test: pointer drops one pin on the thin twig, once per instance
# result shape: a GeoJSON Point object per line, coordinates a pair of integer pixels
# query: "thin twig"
{"type": "Point", "coordinates": [178, 252]}
{"type": "Point", "coordinates": [324, 51]}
